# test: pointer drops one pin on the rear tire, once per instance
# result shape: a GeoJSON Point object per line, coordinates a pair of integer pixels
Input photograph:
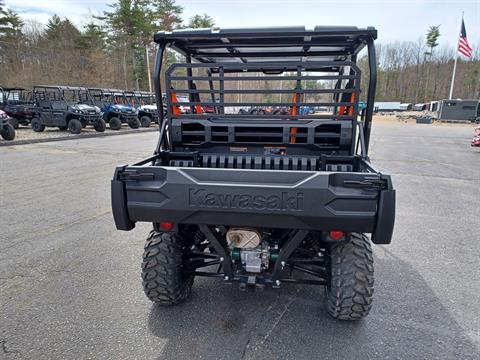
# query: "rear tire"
{"type": "Point", "coordinates": [99, 125]}
{"type": "Point", "coordinates": [15, 123]}
{"type": "Point", "coordinates": [75, 126]}
{"type": "Point", "coordinates": [37, 126]}
{"type": "Point", "coordinates": [350, 284]}
{"type": "Point", "coordinates": [8, 132]}
{"type": "Point", "coordinates": [115, 123]}
{"type": "Point", "coordinates": [164, 281]}
{"type": "Point", "coordinates": [145, 121]}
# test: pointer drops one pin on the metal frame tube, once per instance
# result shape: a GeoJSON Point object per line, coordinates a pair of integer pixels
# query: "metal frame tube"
{"type": "Point", "coordinates": [158, 95]}
{"type": "Point", "coordinates": [372, 86]}
{"type": "Point", "coordinates": [190, 82]}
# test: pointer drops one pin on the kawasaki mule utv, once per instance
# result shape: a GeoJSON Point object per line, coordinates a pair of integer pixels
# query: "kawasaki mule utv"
{"type": "Point", "coordinates": [58, 106]}
{"type": "Point", "coordinates": [17, 104]}
{"type": "Point", "coordinates": [115, 107]}
{"type": "Point", "coordinates": [261, 200]}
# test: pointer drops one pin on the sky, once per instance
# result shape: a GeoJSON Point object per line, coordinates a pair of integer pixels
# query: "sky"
{"type": "Point", "coordinates": [395, 20]}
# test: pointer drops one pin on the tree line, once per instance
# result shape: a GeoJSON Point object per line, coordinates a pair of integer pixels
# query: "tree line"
{"type": "Point", "coordinates": [112, 50]}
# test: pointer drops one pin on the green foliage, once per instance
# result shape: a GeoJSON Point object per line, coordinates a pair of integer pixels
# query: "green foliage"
{"type": "Point", "coordinates": [3, 16]}
{"type": "Point", "coordinates": [14, 27]}
{"type": "Point", "coordinates": [433, 34]}
{"type": "Point", "coordinates": [10, 23]}
{"type": "Point", "coordinates": [201, 21]}
{"type": "Point", "coordinates": [92, 38]}
{"type": "Point", "coordinates": [166, 14]}
{"type": "Point", "coordinates": [60, 31]}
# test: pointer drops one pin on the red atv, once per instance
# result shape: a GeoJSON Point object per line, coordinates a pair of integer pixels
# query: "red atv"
{"type": "Point", "coordinates": [476, 137]}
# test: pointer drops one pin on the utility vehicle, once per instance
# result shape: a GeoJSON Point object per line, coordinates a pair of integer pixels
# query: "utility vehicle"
{"type": "Point", "coordinates": [58, 106]}
{"type": "Point", "coordinates": [261, 200]}
{"type": "Point", "coordinates": [17, 104]}
{"type": "Point", "coordinates": [115, 107]}
{"type": "Point", "coordinates": [7, 131]}
{"type": "Point", "coordinates": [145, 104]}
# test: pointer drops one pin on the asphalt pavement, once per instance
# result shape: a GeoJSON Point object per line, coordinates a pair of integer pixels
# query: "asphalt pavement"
{"type": "Point", "coordinates": [70, 283]}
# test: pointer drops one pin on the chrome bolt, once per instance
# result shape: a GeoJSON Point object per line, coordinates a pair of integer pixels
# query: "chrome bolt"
{"type": "Point", "coordinates": [221, 259]}
{"type": "Point", "coordinates": [277, 282]}
{"type": "Point", "coordinates": [226, 277]}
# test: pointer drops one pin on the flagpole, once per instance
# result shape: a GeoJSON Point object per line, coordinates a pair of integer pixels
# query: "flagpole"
{"type": "Point", "coordinates": [455, 63]}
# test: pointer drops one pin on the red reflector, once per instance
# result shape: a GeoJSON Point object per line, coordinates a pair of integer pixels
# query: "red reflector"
{"type": "Point", "coordinates": [336, 234]}
{"type": "Point", "coordinates": [166, 225]}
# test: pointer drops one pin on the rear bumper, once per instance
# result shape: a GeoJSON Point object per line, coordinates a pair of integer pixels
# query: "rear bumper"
{"type": "Point", "coordinates": [351, 202]}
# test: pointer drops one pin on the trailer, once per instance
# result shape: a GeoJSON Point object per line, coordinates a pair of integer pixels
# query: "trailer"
{"type": "Point", "coordinates": [387, 106]}
{"type": "Point", "coordinates": [459, 109]}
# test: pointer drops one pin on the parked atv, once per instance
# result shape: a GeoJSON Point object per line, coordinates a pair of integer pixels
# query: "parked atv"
{"type": "Point", "coordinates": [261, 198]}
{"type": "Point", "coordinates": [7, 131]}
{"type": "Point", "coordinates": [115, 107]}
{"type": "Point", "coordinates": [17, 104]}
{"type": "Point", "coordinates": [59, 106]}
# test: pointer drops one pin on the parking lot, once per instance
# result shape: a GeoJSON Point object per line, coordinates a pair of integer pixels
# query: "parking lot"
{"type": "Point", "coordinates": [70, 283]}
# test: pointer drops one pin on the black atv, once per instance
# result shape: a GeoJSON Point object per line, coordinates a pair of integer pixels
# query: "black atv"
{"type": "Point", "coordinates": [261, 200]}
{"type": "Point", "coordinates": [59, 106]}
{"type": "Point", "coordinates": [115, 107]}
{"type": "Point", "coordinates": [17, 104]}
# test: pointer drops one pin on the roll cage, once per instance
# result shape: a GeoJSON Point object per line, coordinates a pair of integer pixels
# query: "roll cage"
{"type": "Point", "coordinates": [14, 95]}
{"type": "Point", "coordinates": [291, 54]}
{"type": "Point", "coordinates": [68, 95]}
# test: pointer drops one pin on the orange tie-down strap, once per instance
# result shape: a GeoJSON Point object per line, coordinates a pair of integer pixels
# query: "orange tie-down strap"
{"type": "Point", "coordinates": [294, 112]}
{"type": "Point", "coordinates": [198, 109]}
{"type": "Point", "coordinates": [347, 110]}
{"type": "Point", "coordinates": [175, 108]}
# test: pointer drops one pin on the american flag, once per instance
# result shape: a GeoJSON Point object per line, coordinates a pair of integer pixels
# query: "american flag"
{"type": "Point", "coordinates": [463, 45]}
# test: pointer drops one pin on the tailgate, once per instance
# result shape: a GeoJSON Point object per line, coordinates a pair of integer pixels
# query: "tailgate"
{"type": "Point", "coordinates": [312, 200]}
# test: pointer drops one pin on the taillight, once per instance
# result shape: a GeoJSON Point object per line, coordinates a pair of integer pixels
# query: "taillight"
{"type": "Point", "coordinates": [166, 225]}
{"type": "Point", "coordinates": [336, 235]}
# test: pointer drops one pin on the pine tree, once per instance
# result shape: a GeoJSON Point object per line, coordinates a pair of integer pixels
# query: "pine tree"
{"type": "Point", "coordinates": [201, 21]}
{"type": "Point", "coordinates": [128, 24]}
{"type": "Point", "coordinates": [3, 17]}
{"type": "Point", "coordinates": [433, 34]}
{"type": "Point", "coordinates": [167, 14]}
{"type": "Point", "coordinates": [92, 38]}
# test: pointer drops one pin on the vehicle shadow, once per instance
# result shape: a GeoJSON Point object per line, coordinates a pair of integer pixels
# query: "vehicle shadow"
{"type": "Point", "coordinates": [220, 322]}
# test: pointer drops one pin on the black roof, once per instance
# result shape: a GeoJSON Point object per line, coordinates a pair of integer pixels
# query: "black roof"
{"type": "Point", "coordinates": [268, 44]}
{"type": "Point", "coordinates": [11, 88]}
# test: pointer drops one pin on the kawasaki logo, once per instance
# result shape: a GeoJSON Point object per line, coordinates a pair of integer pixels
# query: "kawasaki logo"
{"type": "Point", "coordinates": [284, 201]}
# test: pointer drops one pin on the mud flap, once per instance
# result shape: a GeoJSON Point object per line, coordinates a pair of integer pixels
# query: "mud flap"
{"type": "Point", "coordinates": [119, 203]}
{"type": "Point", "coordinates": [385, 218]}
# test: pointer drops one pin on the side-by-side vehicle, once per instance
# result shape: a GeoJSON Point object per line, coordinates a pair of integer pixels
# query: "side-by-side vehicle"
{"type": "Point", "coordinates": [58, 106]}
{"type": "Point", "coordinates": [261, 199]}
